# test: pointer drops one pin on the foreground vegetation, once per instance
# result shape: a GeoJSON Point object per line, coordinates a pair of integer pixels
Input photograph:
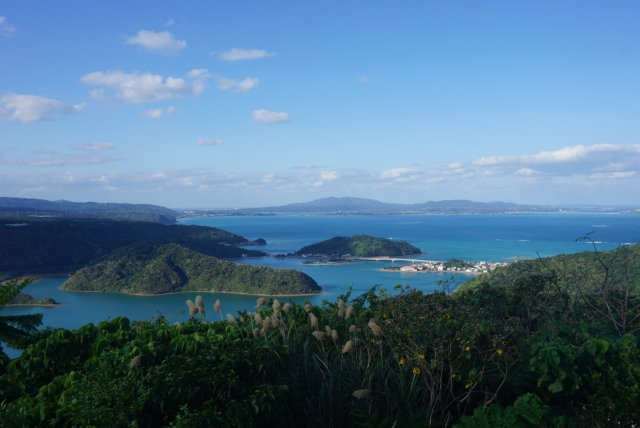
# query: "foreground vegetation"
{"type": "Point", "coordinates": [523, 354]}
{"type": "Point", "coordinates": [146, 268]}
{"type": "Point", "coordinates": [50, 245]}
{"type": "Point", "coordinates": [360, 246]}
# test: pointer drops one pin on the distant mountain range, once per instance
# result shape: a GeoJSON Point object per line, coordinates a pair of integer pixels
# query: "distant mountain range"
{"type": "Point", "coordinates": [348, 205]}
{"type": "Point", "coordinates": [62, 208]}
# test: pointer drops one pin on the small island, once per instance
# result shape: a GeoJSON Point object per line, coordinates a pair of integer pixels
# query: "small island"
{"type": "Point", "coordinates": [342, 248]}
{"type": "Point", "coordinates": [21, 299]}
{"type": "Point", "coordinates": [146, 268]}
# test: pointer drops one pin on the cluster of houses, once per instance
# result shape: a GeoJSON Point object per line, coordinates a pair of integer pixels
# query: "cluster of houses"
{"type": "Point", "coordinates": [477, 268]}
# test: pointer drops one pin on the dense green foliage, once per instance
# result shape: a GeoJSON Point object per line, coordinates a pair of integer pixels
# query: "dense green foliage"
{"type": "Point", "coordinates": [26, 299]}
{"type": "Point", "coordinates": [360, 246]}
{"type": "Point", "coordinates": [15, 329]}
{"type": "Point", "coordinates": [59, 246]}
{"type": "Point", "coordinates": [146, 268]}
{"type": "Point", "coordinates": [584, 270]}
{"type": "Point", "coordinates": [530, 352]}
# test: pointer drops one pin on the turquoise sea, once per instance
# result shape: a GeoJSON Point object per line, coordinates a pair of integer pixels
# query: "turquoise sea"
{"type": "Point", "coordinates": [441, 237]}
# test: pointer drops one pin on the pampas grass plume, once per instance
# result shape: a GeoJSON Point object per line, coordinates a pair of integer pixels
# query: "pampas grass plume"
{"type": "Point", "coordinates": [347, 347]}
{"type": "Point", "coordinates": [319, 334]}
{"type": "Point", "coordinates": [193, 309]}
{"type": "Point", "coordinates": [349, 312]}
{"type": "Point", "coordinates": [231, 319]}
{"type": "Point", "coordinates": [261, 302]}
{"type": "Point", "coordinates": [217, 307]}
{"type": "Point", "coordinates": [341, 304]}
{"type": "Point", "coordinates": [274, 322]}
{"type": "Point", "coordinates": [177, 324]}
{"type": "Point", "coordinates": [352, 329]}
{"type": "Point", "coordinates": [334, 335]}
{"type": "Point", "coordinates": [327, 329]}
{"type": "Point", "coordinates": [276, 307]}
{"type": "Point", "coordinates": [256, 332]}
{"type": "Point", "coordinates": [200, 305]}
{"type": "Point", "coordinates": [135, 361]}
{"type": "Point", "coordinates": [266, 324]}
{"type": "Point", "coordinates": [361, 393]}
{"type": "Point", "coordinates": [286, 307]}
{"type": "Point", "coordinates": [375, 328]}
{"type": "Point", "coordinates": [308, 307]}
{"type": "Point", "coordinates": [314, 320]}
{"type": "Point", "coordinates": [258, 318]}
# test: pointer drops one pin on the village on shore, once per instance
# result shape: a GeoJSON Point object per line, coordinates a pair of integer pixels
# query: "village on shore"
{"type": "Point", "coordinates": [451, 266]}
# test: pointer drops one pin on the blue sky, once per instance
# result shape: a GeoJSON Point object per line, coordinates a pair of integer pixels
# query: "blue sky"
{"type": "Point", "coordinates": [205, 104]}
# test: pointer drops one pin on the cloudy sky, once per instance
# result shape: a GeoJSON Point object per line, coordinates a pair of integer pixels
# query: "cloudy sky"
{"type": "Point", "coordinates": [245, 103]}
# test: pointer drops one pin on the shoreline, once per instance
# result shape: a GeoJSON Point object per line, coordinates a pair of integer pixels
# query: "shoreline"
{"type": "Point", "coordinates": [211, 292]}
{"type": "Point", "coordinates": [432, 271]}
{"type": "Point", "coordinates": [44, 306]}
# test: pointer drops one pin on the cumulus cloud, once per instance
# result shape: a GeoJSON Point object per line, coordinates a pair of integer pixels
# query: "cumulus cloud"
{"type": "Point", "coordinates": [138, 88]}
{"type": "Point", "coordinates": [203, 142]}
{"type": "Point", "coordinates": [157, 113]}
{"type": "Point", "coordinates": [93, 147]}
{"type": "Point", "coordinates": [269, 117]}
{"type": "Point", "coordinates": [33, 108]}
{"type": "Point", "coordinates": [235, 85]}
{"type": "Point", "coordinates": [396, 172]}
{"type": "Point", "coordinates": [163, 43]}
{"type": "Point", "coordinates": [5, 28]}
{"type": "Point", "coordinates": [236, 54]}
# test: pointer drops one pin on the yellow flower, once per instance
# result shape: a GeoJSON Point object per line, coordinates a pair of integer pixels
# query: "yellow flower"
{"type": "Point", "coordinates": [421, 356]}
{"type": "Point", "coordinates": [416, 370]}
{"type": "Point", "coordinates": [468, 348]}
{"type": "Point", "coordinates": [373, 341]}
{"type": "Point", "coordinates": [468, 385]}
{"type": "Point", "coordinates": [384, 315]}
{"type": "Point", "coordinates": [499, 351]}
{"type": "Point", "coordinates": [453, 375]}
{"type": "Point", "coordinates": [401, 362]}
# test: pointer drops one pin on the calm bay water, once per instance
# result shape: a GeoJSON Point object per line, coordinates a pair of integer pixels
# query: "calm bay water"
{"type": "Point", "coordinates": [467, 237]}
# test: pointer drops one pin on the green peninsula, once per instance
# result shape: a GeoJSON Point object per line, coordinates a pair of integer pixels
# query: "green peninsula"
{"type": "Point", "coordinates": [151, 269]}
{"type": "Point", "coordinates": [360, 246]}
{"type": "Point", "coordinates": [570, 270]}
{"type": "Point", "coordinates": [33, 245]}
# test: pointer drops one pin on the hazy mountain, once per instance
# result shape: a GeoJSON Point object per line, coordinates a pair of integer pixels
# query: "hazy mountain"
{"type": "Point", "coordinates": [360, 205]}
{"type": "Point", "coordinates": [137, 212]}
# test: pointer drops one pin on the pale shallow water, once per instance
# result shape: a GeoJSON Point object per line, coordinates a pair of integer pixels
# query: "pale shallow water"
{"type": "Point", "coordinates": [467, 237]}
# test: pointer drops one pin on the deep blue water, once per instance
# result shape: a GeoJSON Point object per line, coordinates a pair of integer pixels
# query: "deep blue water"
{"type": "Point", "coordinates": [467, 237]}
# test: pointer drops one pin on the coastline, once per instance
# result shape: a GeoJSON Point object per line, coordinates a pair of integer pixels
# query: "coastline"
{"type": "Point", "coordinates": [44, 306]}
{"type": "Point", "coordinates": [210, 292]}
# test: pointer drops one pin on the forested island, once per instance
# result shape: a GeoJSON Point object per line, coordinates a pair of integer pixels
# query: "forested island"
{"type": "Point", "coordinates": [21, 299]}
{"type": "Point", "coordinates": [151, 269]}
{"type": "Point", "coordinates": [359, 246]}
{"type": "Point", "coordinates": [54, 245]}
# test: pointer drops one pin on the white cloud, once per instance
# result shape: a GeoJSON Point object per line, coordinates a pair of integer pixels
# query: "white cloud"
{"type": "Point", "coordinates": [269, 117]}
{"type": "Point", "coordinates": [614, 175]}
{"type": "Point", "coordinates": [163, 43]}
{"type": "Point", "coordinates": [32, 108]}
{"type": "Point", "coordinates": [565, 155]}
{"type": "Point", "coordinates": [203, 142]}
{"type": "Point", "coordinates": [143, 88]}
{"type": "Point", "coordinates": [236, 54]}
{"type": "Point", "coordinates": [234, 85]}
{"type": "Point", "coordinates": [396, 172]}
{"type": "Point", "coordinates": [308, 166]}
{"type": "Point", "coordinates": [527, 172]}
{"type": "Point", "coordinates": [97, 94]}
{"type": "Point", "coordinates": [5, 28]}
{"type": "Point", "coordinates": [93, 147]}
{"type": "Point", "coordinates": [157, 113]}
